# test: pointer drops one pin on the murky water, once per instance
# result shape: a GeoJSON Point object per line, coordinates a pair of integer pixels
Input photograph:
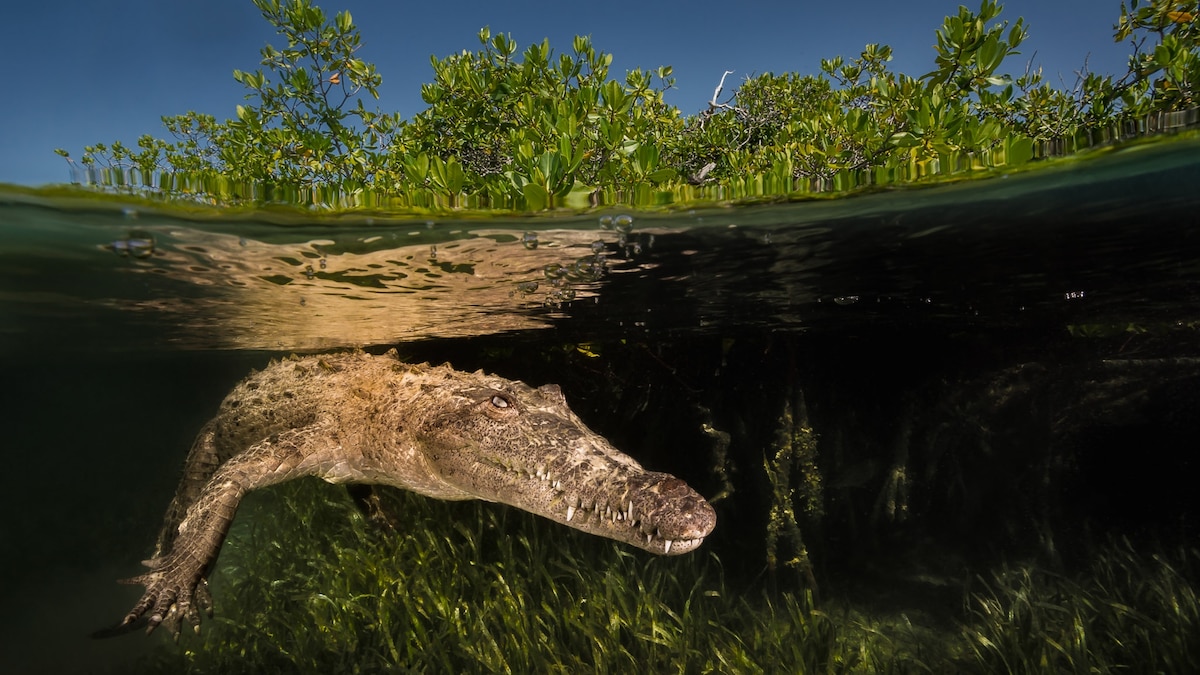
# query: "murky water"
{"type": "Point", "coordinates": [911, 311]}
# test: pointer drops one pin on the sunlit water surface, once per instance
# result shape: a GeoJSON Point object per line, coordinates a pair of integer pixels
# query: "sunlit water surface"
{"type": "Point", "coordinates": [1093, 239]}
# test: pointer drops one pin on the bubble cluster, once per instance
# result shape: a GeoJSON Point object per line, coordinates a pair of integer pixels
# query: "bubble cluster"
{"type": "Point", "coordinates": [627, 244]}
{"type": "Point", "coordinates": [560, 281]}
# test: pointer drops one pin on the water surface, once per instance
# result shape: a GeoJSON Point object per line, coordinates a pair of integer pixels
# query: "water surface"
{"type": "Point", "coordinates": [1094, 239]}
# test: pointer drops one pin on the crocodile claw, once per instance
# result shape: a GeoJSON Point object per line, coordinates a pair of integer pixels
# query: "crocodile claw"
{"type": "Point", "coordinates": [176, 591]}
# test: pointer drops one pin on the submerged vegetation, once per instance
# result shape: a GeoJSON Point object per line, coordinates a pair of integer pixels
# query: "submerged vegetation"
{"type": "Point", "coordinates": [1126, 613]}
{"type": "Point", "coordinates": [536, 129]}
{"type": "Point", "coordinates": [471, 587]}
{"type": "Point", "coordinates": [480, 588]}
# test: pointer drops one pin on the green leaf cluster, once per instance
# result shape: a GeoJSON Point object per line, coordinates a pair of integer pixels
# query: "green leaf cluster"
{"type": "Point", "coordinates": [1167, 74]}
{"type": "Point", "coordinates": [1163, 76]}
{"type": "Point", "coordinates": [300, 127]}
{"type": "Point", "coordinates": [533, 129]}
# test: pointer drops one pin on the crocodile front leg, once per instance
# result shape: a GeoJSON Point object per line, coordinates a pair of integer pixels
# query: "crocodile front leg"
{"type": "Point", "coordinates": [176, 585]}
{"type": "Point", "coordinates": [202, 462]}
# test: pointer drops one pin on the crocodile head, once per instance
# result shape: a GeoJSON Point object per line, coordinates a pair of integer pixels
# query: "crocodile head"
{"type": "Point", "coordinates": [504, 441]}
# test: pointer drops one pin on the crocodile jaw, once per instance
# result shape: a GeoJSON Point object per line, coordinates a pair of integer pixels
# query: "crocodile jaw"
{"type": "Point", "coordinates": [653, 511]}
{"type": "Point", "coordinates": [602, 492]}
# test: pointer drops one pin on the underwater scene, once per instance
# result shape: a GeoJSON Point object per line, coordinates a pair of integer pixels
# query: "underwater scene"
{"type": "Point", "coordinates": [943, 428]}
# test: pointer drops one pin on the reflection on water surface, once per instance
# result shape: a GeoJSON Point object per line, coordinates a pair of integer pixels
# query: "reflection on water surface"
{"type": "Point", "coordinates": [1080, 240]}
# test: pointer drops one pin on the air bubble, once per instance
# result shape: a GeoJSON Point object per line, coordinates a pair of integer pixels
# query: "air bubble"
{"type": "Point", "coordinates": [136, 246]}
{"type": "Point", "coordinates": [530, 240]}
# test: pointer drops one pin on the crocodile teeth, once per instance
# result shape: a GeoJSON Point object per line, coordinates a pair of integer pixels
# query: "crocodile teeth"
{"type": "Point", "coordinates": [667, 548]}
{"type": "Point", "coordinates": [629, 512]}
{"type": "Point", "coordinates": [570, 513]}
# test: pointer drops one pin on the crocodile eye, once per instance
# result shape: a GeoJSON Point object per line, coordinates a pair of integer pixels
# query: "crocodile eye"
{"type": "Point", "coordinates": [500, 402]}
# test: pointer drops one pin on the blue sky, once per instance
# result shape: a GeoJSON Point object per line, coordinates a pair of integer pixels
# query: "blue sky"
{"type": "Point", "coordinates": [86, 71]}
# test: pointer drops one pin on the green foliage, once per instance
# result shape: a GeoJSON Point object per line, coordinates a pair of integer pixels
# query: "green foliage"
{"type": "Point", "coordinates": [530, 131]}
{"type": "Point", "coordinates": [1163, 75]}
{"type": "Point", "coordinates": [299, 128]}
{"type": "Point", "coordinates": [534, 129]}
{"type": "Point", "coordinates": [860, 122]}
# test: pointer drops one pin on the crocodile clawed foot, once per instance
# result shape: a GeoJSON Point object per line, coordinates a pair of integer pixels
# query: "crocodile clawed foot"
{"type": "Point", "coordinates": [174, 593]}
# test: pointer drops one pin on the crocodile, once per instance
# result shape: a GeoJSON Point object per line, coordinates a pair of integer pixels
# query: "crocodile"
{"type": "Point", "coordinates": [366, 419]}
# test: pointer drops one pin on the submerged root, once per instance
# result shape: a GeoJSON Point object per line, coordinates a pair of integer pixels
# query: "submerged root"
{"type": "Point", "coordinates": [795, 482]}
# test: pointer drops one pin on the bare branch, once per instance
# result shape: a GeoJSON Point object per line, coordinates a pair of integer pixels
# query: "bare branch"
{"type": "Point", "coordinates": [717, 92]}
{"type": "Point", "coordinates": [714, 106]}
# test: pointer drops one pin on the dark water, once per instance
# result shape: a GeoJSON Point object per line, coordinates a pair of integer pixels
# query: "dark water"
{"type": "Point", "coordinates": [994, 368]}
